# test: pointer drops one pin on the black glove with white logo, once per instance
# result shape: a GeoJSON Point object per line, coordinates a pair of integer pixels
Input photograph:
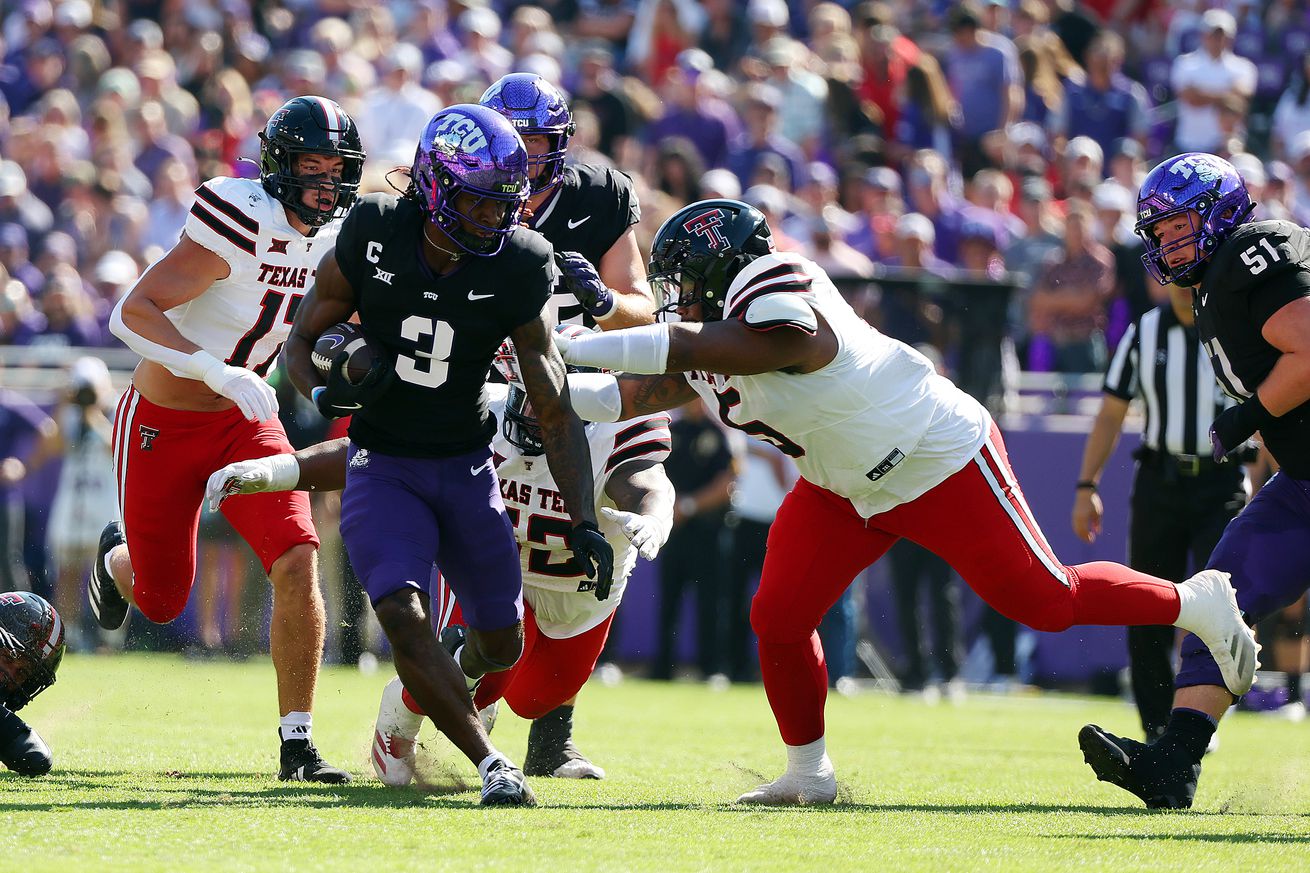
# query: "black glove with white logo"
{"type": "Point", "coordinates": [596, 557]}
{"type": "Point", "coordinates": [339, 397]}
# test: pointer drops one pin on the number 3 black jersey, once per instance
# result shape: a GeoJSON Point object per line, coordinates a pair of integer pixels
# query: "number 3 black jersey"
{"type": "Point", "coordinates": [591, 209]}
{"type": "Point", "coordinates": [442, 331]}
{"type": "Point", "coordinates": [1258, 270]}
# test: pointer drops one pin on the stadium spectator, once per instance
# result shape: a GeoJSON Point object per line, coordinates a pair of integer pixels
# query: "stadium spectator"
{"type": "Point", "coordinates": [600, 91]}
{"type": "Point", "coordinates": [1068, 307]}
{"type": "Point", "coordinates": [930, 195]}
{"type": "Point", "coordinates": [1292, 114]}
{"type": "Point", "coordinates": [1106, 106]}
{"type": "Point", "coordinates": [690, 111]}
{"type": "Point", "coordinates": [678, 169]}
{"type": "Point", "coordinates": [661, 30]}
{"type": "Point", "coordinates": [25, 435]}
{"type": "Point", "coordinates": [1042, 236]}
{"type": "Point", "coordinates": [926, 110]}
{"type": "Point", "coordinates": [482, 53]}
{"type": "Point", "coordinates": [878, 206]}
{"type": "Point", "coordinates": [827, 248]}
{"type": "Point", "coordinates": [804, 94]}
{"type": "Point", "coordinates": [155, 145]}
{"type": "Point", "coordinates": [157, 74]}
{"type": "Point", "coordinates": [15, 254]}
{"type": "Point", "coordinates": [761, 138]}
{"type": "Point", "coordinates": [65, 315]}
{"type": "Point", "coordinates": [983, 70]}
{"type": "Point", "coordinates": [1202, 79]}
{"type": "Point", "coordinates": [1045, 67]}
{"type": "Point", "coordinates": [726, 34]}
{"type": "Point", "coordinates": [18, 204]}
{"type": "Point", "coordinates": [348, 75]}
{"type": "Point", "coordinates": [398, 106]}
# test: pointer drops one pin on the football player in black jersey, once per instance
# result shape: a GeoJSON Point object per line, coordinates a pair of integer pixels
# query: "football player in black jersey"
{"type": "Point", "coordinates": [1251, 295]}
{"type": "Point", "coordinates": [439, 278]}
{"type": "Point", "coordinates": [31, 647]}
{"type": "Point", "coordinates": [587, 212]}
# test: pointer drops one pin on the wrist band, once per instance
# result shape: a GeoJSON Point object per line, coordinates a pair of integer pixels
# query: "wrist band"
{"type": "Point", "coordinates": [1086, 483]}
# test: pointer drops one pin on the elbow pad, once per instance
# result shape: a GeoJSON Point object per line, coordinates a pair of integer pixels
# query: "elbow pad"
{"type": "Point", "coordinates": [783, 309]}
{"type": "Point", "coordinates": [595, 396]}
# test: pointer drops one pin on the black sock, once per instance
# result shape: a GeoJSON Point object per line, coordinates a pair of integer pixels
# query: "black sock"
{"type": "Point", "coordinates": [1293, 687]}
{"type": "Point", "coordinates": [552, 730]}
{"type": "Point", "coordinates": [1189, 730]}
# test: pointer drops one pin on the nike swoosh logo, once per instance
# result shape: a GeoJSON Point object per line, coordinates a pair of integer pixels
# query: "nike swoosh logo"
{"type": "Point", "coordinates": [473, 471]}
{"type": "Point", "coordinates": [574, 225]}
{"type": "Point", "coordinates": [1204, 297]}
{"type": "Point", "coordinates": [475, 296]}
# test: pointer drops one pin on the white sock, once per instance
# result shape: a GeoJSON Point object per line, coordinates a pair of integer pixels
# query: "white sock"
{"type": "Point", "coordinates": [807, 759]}
{"type": "Point", "coordinates": [469, 681]}
{"type": "Point", "coordinates": [485, 766]}
{"type": "Point", "coordinates": [296, 726]}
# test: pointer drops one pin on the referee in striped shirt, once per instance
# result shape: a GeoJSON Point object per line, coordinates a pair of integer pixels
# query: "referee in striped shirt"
{"type": "Point", "coordinates": [1182, 499]}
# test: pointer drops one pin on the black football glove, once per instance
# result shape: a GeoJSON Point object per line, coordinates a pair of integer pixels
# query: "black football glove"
{"type": "Point", "coordinates": [1235, 425]}
{"type": "Point", "coordinates": [339, 397]}
{"type": "Point", "coordinates": [21, 748]}
{"type": "Point", "coordinates": [596, 557]}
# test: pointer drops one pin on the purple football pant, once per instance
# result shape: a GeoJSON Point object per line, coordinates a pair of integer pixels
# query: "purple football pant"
{"type": "Point", "coordinates": [1266, 549]}
{"type": "Point", "coordinates": [400, 515]}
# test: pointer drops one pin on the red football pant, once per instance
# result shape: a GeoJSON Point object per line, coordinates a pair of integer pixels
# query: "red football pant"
{"type": "Point", "coordinates": [547, 674]}
{"type": "Point", "coordinates": [978, 521]}
{"type": "Point", "coordinates": [162, 458]}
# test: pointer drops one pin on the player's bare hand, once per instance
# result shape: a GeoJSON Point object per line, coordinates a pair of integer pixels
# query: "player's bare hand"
{"type": "Point", "coordinates": [596, 556]}
{"type": "Point", "coordinates": [643, 531]}
{"type": "Point", "coordinates": [1087, 513]}
{"type": "Point", "coordinates": [253, 396]}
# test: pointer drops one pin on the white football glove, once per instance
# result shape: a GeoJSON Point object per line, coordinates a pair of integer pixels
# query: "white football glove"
{"type": "Point", "coordinates": [562, 344]}
{"type": "Point", "coordinates": [646, 532]}
{"type": "Point", "coordinates": [253, 396]}
{"type": "Point", "coordinates": [275, 473]}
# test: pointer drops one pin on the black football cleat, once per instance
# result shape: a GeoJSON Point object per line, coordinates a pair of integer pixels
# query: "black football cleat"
{"type": "Point", "coordinates": [108, 606]}
{"type": "Point", "coordinates": [301, 762]}
{"type": "Point", "coordinates": [21, 749]}
{"type": "Point", "coordinates": [551, 752]}
{"type": "Point", "coordinates": [505, 785]}
{"type": "Point", "coordinates": [1161, 774]}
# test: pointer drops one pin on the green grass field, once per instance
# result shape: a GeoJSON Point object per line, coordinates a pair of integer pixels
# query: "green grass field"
{"type": "Point", "coordinates": [162, 764]}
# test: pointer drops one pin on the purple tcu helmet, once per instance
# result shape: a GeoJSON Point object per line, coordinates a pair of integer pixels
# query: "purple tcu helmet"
{"type": "Point", "coordinates": [1196, 183]}
{"type": "Point", "coordinates": [471, 150]}
{"type": "Point", "coordinates": [535, 107]}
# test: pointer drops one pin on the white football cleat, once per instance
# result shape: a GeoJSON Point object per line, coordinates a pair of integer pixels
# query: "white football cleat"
{"type": "Point", "coordinates": [578, 768]}
{"type": "Point", "coordinates": [1208, 608]}
{"type": "Point", "coordinates": [394, 738]}
{"type": "Point", "coordinates": [793, 790]}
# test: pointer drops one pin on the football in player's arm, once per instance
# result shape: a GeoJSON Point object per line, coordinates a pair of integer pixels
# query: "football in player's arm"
{"type": "Point", "coordinates": [1251, 295]}
{"type": "Point", "coordinates": [31, 648]}
{"type": "Point", "coordinates": [439, 278]}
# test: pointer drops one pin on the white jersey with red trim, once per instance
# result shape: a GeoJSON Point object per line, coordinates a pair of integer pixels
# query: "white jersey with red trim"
{"type": "Point", "coordinates": [244, 319]}
{"type": "Point", "coordinates": [877, 425]}
{"type": "Point", "coordinates": [541, 524]}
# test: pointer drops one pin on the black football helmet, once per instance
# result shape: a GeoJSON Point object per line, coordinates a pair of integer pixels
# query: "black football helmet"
{"type": "Point", "coordinates": [317, 126]}
{"type": "Point", "coordinates": [700, 249]}
{"type": "Point", "coordinates": [31, 647]}
{"type": "Point", "coordinates": [520, 425]}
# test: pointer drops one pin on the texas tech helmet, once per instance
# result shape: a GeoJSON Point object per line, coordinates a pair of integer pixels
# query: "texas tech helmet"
{"type": "Point", "coordinates": [700, 249]}
{"type": "Point", "coordinates": [31, 647]}
{"type": "Point", "coordinates": [520, 426]}
{"type": "Point", "coordinates": [315, 126]}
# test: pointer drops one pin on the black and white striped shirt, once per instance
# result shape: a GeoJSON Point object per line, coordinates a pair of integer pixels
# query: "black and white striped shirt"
{"type": "Point", "coordinates": [1164, 363]}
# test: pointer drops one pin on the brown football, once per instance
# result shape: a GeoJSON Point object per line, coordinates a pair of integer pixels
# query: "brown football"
{"type": "Point", "coordinates": [351, 339]}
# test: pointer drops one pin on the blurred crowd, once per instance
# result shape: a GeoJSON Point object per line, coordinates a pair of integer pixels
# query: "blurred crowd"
{"type": "Point", "coordinates": [1000, 141]}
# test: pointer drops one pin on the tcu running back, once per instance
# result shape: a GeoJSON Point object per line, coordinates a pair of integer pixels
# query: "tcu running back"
{"type": "Point", "coordinates": [209, 319]}
{"type": "Point", "coordinates": [1251, 296]}
{"type": "Point", "coordinates": [565, 626]}
{"type": "Point", "coordinates": [886, 449]}
{"type": "Point", "coordinates": [439, 278]}
{"type": "Point", "coordinates": [31, 647]}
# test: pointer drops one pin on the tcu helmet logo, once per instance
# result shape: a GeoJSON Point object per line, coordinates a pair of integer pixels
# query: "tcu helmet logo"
{"type": "Point", "coordinates": [148, 435]}
{"type": "Point", "coordinates": [458, 132]}
{"type": "Point", "coordinates": [707, 224]}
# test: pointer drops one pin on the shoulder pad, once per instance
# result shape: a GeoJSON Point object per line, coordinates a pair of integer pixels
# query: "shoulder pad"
{"type": "Point", "coordinates": [777, 271]}
{"type": "Point", "coordinates": [226, 216]}
{"type": "Point", "coordinates": [781, 309]}
{"type": "Point", "coordinates": [1256, 251]}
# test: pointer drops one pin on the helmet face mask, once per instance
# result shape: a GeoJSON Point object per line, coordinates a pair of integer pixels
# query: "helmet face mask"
{"type": "Point", "coordinates": [31, 647]}
{"type": "Point", "coordinates": [469, 159]}
{"type": "Point", "coordinates": [311, 126]}
{"type": "Point", "coordinates": [535, 107]}
{"type": "Point", "coordinates": [1205, 189]}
